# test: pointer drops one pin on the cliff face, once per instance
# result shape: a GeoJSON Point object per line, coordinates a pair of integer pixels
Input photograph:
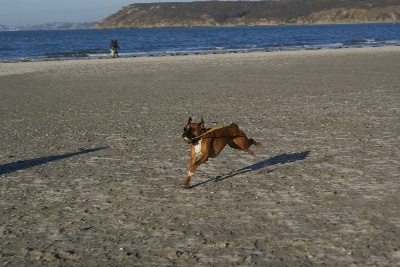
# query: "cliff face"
{"type": "Point", "coordinates": [196, 14]}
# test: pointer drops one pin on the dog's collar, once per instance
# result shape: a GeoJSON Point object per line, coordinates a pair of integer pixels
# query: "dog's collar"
{"type": "Point", "coordinates": [198, 138]}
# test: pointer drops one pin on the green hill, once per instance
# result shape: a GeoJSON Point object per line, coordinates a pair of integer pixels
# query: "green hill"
{"type": "Point", "coordinates": [272, 12]}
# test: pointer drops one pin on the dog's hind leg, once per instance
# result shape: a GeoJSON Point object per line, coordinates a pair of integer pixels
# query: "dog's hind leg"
{"type": "Point", "coordinates": [242, 143]}
{"type": "Point", "coordinates": [235, 145]}
{"type": "Point", "coordinates": [256, 143]}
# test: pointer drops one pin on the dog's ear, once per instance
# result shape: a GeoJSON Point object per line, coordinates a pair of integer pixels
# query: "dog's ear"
{"type": "Point", "coordinates": [190, 120]}
{"type": "Point", "coordinates": [201, 124]}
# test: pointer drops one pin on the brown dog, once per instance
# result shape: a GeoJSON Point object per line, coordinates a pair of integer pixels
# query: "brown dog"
{"type": "Point", "coordinates": [208, 143]}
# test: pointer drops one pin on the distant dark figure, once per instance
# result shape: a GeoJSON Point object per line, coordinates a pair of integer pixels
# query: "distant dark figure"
{"type": "Point", "coordinates": [114, 48]}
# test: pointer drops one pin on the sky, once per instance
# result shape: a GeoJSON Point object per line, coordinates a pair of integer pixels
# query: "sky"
{"type": "Point", "coordinates": [34, 12]}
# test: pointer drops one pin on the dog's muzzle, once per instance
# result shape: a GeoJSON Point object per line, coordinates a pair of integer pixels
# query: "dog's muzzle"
{"type": "Point", "coordinates": [188, 136]}
{"type": "Point", "coordinates": [185, 137]}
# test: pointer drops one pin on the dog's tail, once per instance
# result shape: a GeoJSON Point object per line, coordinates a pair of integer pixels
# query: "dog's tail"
{"type": "Point", "coordinates": [256, 143]}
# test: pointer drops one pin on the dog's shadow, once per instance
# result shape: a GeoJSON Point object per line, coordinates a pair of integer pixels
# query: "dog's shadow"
{"type": "Point", "coordinates": [280, 159]}
{"type": "Point", "coordinates": [25, 164]}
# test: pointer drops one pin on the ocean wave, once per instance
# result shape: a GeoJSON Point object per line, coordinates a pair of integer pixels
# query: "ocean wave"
{"type": "Point", "coordinates": [360, 42]}
{"type": "Point", "coordinates": [73, 54]}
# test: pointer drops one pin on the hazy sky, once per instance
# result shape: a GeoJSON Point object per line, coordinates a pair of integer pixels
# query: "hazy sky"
{"type": "Point", "coordinates": [32, 12]}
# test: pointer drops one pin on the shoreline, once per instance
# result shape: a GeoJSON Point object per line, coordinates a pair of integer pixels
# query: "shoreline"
{"type": "Point", "coordinates": [198, 54]}
{"type": "Point", "coordinates": [16, 67]}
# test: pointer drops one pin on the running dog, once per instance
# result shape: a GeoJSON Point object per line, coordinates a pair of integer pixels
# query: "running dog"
{"type": "Point", "coordinates": [208, 143]}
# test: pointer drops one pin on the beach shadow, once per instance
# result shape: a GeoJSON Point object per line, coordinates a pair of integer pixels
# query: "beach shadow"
{"type": "Point", "coordinates": [25, 164]}
{"type": "Point", "coordinates": [280, 159]}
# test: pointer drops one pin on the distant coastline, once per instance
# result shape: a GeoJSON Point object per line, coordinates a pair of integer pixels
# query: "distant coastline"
{"type": "Point", "coordinates": [235, 13]}
{"type": "Point", "coordinates": [50, 26]}
{"type": "Point", "coordinates": [251, 13]}
{"type": "Point", "coordinates": [91, 26]}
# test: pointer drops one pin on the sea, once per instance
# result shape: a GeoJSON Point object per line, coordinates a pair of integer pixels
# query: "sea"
{"type": "Point", "coordinates": [22, 46]}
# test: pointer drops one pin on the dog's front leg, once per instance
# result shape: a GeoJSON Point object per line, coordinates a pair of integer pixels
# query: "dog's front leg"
{"type": "Point", "coordinates": [193, 164]}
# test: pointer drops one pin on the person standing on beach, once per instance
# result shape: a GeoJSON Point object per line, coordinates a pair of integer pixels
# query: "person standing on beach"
{"type": "Point", "coordinates": [114, 48]}
{"type": "Point", "coordinates": [112, 52]}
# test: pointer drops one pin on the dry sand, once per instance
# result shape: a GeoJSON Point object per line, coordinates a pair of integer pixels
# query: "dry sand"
{"type": "Point", "coordinates": [92, 161]}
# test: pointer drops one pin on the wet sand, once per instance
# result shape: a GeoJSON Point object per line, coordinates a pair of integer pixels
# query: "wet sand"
{"type": "Point", "coordinates": [92, 161]}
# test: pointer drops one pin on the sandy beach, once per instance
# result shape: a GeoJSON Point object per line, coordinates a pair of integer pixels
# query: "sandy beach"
{"type": "Point", "coordinates": [92, 161]}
